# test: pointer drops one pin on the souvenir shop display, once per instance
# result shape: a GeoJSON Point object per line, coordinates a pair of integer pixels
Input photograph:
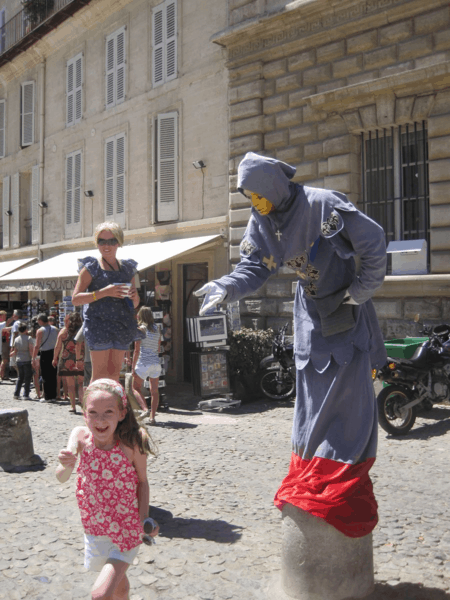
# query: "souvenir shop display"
{"type": "Point", "coordinates": [65, 307]}
{"type": "Point", "coordinates": [34, 307]}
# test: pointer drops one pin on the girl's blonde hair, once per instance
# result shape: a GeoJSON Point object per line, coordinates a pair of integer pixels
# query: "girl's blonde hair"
{"type": "Point", "coordinates": [128, 430]}
{"type": "Point", "coordinates": [145, 317]}
{"type": "Point", "coordinates": [113, 228]}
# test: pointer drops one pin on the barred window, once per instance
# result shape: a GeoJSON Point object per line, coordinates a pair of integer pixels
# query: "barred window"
{"type": "Point", "coordinates": [395, 181]}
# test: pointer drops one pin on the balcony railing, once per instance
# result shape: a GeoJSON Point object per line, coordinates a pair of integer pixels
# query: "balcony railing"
{"type": "Point", "coordinates": [36, 19]}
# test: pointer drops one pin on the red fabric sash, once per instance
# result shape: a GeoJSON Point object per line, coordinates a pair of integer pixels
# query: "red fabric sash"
{"type": "Point", "coordinates": [339, 493]}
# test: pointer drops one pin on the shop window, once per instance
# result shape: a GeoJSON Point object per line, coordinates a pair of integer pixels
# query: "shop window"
{"type": "Point", "coordinates": [2, 127]}
{"type": "Point", "coordinates": [74, 88]}
{"type": "Point", "coordinates": [115, 171]}
{"type": "Point", "coordinates": [164, 37]}
{"type": "Point", "coordinates": [27, 114]}
{"type": "Point", "coordinates": [167, 167]}
{"type": "Point", "coordinates": [73, 193]}
{"type": "Point", "coordinates": [395, 181]}
{"type": "Point", "coordinates": [115, 67]}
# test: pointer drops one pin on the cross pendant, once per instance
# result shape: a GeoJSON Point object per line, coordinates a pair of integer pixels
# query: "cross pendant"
{"type": "Point", "coordinates": [278, 234]}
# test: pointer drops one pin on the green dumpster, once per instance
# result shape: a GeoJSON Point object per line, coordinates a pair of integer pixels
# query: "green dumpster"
{"type": "Point", "coordinates": [403, 347]}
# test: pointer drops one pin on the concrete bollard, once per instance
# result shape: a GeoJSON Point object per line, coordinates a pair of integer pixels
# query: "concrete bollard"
{"type": "Point", "coordinates": [16, 442]}
{"type": "Point", "coordinates": [319, 562]}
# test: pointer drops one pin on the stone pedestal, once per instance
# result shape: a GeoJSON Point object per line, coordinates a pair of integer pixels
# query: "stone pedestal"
{"type": "Point", "coordinates": [318, 562]}
{"type": "Point", "coordinates": [16, 442]}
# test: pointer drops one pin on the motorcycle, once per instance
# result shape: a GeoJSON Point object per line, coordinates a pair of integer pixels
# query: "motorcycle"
{"type": "Point", "coordinates": [423, 380]}
{"type": "Point", "coordinates": [277, 371]}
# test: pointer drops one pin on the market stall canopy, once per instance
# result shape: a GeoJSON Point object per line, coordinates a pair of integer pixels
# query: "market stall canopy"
{"type": "Point", "coordinates": [61, 272]}
{"type": "Point", "coordinates": [8, 266]}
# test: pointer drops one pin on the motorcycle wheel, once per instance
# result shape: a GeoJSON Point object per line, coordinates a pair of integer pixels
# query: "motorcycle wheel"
{"type": "Point", "coordinates": [390, 401]}
{"type": "Point", "coordinates": [277, 385]}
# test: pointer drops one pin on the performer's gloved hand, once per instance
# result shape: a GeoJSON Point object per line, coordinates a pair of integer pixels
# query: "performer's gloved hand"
{"type": "Point", "coordinates": [214, 293]}
{"type": "Point", "coordinates": [348, 299]}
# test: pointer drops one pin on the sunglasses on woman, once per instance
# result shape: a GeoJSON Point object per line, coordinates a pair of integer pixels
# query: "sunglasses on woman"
{"type": "Point", "coordinates": [110, 242]}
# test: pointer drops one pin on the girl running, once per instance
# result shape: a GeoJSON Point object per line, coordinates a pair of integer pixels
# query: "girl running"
{"type": "Point", "coordinates": [146, 361]}
{"type": "Point", "coordinates": [112, 488]}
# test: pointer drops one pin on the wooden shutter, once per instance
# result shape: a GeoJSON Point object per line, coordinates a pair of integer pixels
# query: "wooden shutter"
{"type": "Point", "coordinates": [120, 66]}
{"type": "Point", "coordinates": [120, 179]}
{"type": "Point", "coordinates": [77, 187]}
{"type": "Point", "coordinates": [115, 178]}
{"type": "Point", "coordinates": [27, 109]}
{"type": "Point", "coordinates": [73, 191]}
{"type": "Point", "coordinates": [110, 70]}
{"type": "Point", "coordinates": [171, 40]}
{"type": "Point", "coordinates": [167, 167]}
{"type": "Point", "coordinates": [74, 89]}
{"type": "Point", "coordinates": [35, 204]}
{"type": "Point", "coordinates": [70, 93]}
{"type": "Point", "coordinates": [115, 67]}
{"type": "Point", "coordinates": [158, 45]}
{"type": "Point", "coordinates": [5, 202]}
{"type": "Point", "coordinates": [2, 127]}
{"type": "Point", "coordinates": [15, 208]}
{"type": "Point", "coordinates": [109, 177]}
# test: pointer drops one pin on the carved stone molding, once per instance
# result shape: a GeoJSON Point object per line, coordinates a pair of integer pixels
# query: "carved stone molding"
{"type": "Point", "coordinates": [396, 99]}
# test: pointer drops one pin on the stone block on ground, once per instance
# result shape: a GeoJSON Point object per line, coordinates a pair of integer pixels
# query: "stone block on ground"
{"type": "Point", "coordinates": [16, 442]}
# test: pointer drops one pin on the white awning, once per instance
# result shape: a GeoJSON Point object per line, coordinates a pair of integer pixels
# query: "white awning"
{"type": "Point", "coordinates": [8, 266]}
{"type": "Point", "coordinates": [61, 272]}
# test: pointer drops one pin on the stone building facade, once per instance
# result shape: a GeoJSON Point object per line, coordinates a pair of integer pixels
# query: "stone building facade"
{"type": "Point", "coordinates": [118, 100]}
{"type": "Point", "coordinates": [324, 86]}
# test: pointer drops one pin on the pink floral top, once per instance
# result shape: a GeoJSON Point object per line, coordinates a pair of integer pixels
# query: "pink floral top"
{"type": "Point", "coordinates": [107, 495]}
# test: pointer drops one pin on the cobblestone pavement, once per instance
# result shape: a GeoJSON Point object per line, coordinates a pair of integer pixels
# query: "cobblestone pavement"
{"type": "Point", "coordinates": [211, 490]}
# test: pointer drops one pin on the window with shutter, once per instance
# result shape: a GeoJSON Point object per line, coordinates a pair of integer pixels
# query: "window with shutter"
{"type": "Point", "coordinates": [164, 42]}
{"type": "Point", "coordinates": [2, 127]}
{"type": "Point", "coordinates": [35, 204]}
{"type": "Point", "coordinates": [2, 30]}
{"type": "Point", "coordinates": [5, 202]}
{"type": "Point", "coordinates": [15, 209]}
{"type": "Point", "coordinates": [167, 167]}
{"type": "Point", "coordinates": [115, 67]}
{"type": "Point", "coordinates": [27, 114]}
{"type": "Point", "coordinates": [74, 90]}
{"type": "Point", "coordinates": [115, 178]}
{"type": "Point", "coordinates": [73, 192]}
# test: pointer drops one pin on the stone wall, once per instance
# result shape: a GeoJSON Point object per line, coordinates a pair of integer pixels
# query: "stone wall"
{"type": "Point", "coordinates": [308, 80]}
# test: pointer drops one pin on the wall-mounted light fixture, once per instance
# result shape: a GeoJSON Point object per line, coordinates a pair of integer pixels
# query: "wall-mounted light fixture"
{"type": "Point", "coordinates": [43, 204]}
{"type": "Point", "coordinates": [89, 194]}
{"type": "Point", "coordinates": [199, 164]}
{"type": "Point", "coordinates": [8, 213]}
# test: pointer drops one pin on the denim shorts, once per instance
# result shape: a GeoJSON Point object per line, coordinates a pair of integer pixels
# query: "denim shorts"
{"type": "Point", "coordinates": [99, 548]}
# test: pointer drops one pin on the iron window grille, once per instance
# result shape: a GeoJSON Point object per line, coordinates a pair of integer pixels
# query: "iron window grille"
{"type": "Point", "coordinates": [395, 185]}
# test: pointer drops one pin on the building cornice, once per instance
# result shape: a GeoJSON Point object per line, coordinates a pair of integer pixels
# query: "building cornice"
{"type": "Point", "coordinates": [306, 23]}
{"type": "Point", "coordinates": [414, 286]}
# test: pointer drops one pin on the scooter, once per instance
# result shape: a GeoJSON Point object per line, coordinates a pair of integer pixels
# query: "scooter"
{"type": "Point", "coordinates": [277, 371]}
{"type": "Point", "coordinates": [423, 380]}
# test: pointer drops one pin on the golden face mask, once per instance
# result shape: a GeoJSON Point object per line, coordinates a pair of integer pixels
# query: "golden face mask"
{"type": "Point", "coordinates": [262, 205]}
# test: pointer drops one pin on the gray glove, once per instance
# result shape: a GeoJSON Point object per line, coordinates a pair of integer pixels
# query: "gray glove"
{"type": "Point", "coordinates": [214, 293]}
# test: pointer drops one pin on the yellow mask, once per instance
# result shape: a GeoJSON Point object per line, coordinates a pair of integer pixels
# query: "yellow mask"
{"type": "Point", "coordinates": [262, 205]}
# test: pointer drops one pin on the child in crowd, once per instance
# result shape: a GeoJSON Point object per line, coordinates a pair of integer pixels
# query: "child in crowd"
{"type": "Point", "coordinates": [23, 350]}
{"type": "Point", "coordinates": [112, 488]}
{"type": "Point", "coordinates": [146, 362]}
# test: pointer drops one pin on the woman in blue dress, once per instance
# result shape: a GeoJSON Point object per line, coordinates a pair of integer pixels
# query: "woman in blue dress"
{"type": "Point", "coordinates": [106, 287]}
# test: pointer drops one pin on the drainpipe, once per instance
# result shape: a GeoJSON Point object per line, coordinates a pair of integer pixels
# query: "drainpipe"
{"type": "Point", "coordinates": [41, 157]}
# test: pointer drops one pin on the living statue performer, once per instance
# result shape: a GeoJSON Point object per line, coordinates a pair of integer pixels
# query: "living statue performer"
{"type": "Point", "coordinates": [337, 340]}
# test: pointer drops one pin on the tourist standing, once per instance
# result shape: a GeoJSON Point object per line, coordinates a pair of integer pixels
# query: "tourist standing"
{"type": "Point", "coordinates": [22, 350]}
{"type": "Point", "coordinates": [65, 360]}
{"type": "Point", "coordinates": [146, 361]}
{"type": "Point", "coordinates": [106, 287]}
{"type": "Point", "coordinates": [46, 337]}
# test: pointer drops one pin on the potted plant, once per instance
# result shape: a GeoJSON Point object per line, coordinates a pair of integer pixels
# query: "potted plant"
{"type": "Point", "coordinates": [37, 11]}
{"type": "Point", "coordinates": [247, 348]}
